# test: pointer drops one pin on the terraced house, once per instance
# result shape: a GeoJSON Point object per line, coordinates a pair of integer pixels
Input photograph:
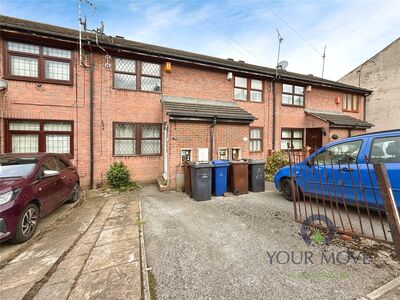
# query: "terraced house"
{"type": "Point", "coordinates": [154, 107]}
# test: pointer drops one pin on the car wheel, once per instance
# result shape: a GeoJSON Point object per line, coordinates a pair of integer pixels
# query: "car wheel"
{"type": "Point", "coordinates": [75, 193]}
{"type": "Point", "coordinates": [286, 188]}
{"type": "Point", "coordinates": [27, 224]}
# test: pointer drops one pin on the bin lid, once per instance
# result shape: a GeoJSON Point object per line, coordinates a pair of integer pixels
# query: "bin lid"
{"type": "Point", "coordinates": [220, 163]}
{"type": "Point", "coordinates": [239, 162]}
{"type": "Point", "coordinates": [198, 165]}
{"type": "Point", "coordinates": [256, 162]}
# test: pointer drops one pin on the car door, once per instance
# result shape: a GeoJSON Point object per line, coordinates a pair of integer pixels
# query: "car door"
{"type": "Point", "coordinates": [381, 150]}
{"type": "Point", "coordinates": [46, 189]}
{"type": "Point", "coordinates": [335, 171]}
{"type": "Point", "coordinates": [66, 173]}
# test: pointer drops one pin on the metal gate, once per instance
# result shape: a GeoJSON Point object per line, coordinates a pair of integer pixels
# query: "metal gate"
{"type": "Point", "coordinates": [344, 195]}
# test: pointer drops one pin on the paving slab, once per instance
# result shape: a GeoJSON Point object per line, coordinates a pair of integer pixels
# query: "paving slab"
{"type": "Point", "coordinates": [117, 282]}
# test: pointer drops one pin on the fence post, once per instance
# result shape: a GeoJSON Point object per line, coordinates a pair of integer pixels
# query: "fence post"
{"type": "Point", "coordinates": [392, 213]}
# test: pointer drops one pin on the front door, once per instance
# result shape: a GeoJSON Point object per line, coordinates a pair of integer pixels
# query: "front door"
{"type": "Point", "coordinates": [314, 138]}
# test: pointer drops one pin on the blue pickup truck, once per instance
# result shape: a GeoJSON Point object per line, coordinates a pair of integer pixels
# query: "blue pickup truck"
{"type": "Point", "coordinates": [341, 167]}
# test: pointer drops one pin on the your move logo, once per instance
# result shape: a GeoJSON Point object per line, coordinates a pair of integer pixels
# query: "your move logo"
{"type": "Point", "coordinates": [317, 236]}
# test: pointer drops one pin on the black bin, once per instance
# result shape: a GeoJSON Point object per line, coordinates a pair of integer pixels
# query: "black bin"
{"type": "Point", "coordinates": [201, 175]}
{"type": "Point", "coordinates": [256, 175]}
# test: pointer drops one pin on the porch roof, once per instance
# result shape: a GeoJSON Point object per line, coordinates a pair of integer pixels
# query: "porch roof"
{"type": "Point", "coordinates": [192, 109]}
{"type": "Point", "coordinates": [339, 120]}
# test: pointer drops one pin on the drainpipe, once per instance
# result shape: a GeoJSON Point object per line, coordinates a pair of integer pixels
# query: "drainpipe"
{"type": "Point", "coordinates": [365, 108]}
{"type": "Point", "coordinates": [212, 138]}
{"type": "Point", "coordinates": [91, 121]}
{"type": "Point", "coordinates": [273, 113]}
{"type": "Point", "coordinates": [165, 144]}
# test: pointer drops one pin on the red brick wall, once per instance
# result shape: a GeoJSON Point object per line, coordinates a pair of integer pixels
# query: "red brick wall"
{"type": "Point", "coordinates": [185, 135]}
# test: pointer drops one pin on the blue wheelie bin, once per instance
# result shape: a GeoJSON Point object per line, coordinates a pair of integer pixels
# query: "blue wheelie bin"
{"type": "Point", "coordinates": [219, 177]}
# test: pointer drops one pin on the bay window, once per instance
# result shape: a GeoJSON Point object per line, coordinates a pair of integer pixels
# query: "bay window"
{"type": "Point", "coordinates": [248, 89]}
{"type": "Point", "coordinates": [292, 137]}
{"type": "Point", "coordinates": [137, 139]}
{"type": "Point", "coordinates": [38, 63]}
{"type": "Point", "coordinates": [26, 136]}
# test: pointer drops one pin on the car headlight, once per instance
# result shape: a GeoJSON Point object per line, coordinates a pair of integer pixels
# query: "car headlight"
{"type": "Point", "coordinates": [7, 197]}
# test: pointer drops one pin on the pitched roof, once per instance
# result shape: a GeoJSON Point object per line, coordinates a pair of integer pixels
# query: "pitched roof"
{"type": "Point", "coordinates": [32, 27]}
{"type": "Point", "coordinates": [340, 120]}
{"type": "Point", "coordinates": [181, 108]}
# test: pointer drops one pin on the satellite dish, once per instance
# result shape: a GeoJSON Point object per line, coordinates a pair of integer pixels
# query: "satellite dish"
{"type": "Point", "coordinates": [100, 30]}
{"type": "Point", "coordinates": [282, 65]}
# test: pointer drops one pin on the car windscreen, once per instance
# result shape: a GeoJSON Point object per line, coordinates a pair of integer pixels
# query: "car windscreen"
{"type": "Point", "coordinates": [16, 168]}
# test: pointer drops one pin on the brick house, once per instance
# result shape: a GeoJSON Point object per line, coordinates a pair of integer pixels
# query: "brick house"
{"type": "Point", "coordinates": [154, 107]}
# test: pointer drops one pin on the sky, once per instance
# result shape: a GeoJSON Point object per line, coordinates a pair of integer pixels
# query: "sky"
{"type": "Point", "coordinates": [352, 31]}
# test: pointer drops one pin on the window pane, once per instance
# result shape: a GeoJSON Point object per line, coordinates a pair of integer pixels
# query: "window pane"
{"type": "Point", "coordinates": [286, 133]}
{"type": "Point", "coordinates": [297, 144]}
{"type": "Point", "coordinates": [151, 69]}
{"type": "Point", "coordinates": [256, 96]}
{"type": "Point", "coordinates": [125, 65]}
{"type": "Point", "coordinates": [24, 66]}
{"type": "Point", "coordinates": [150, 131]}
{"type": "Point", "coordinates": [255, 145]}
{"type": "Point", "coordinates": [298, 100]}
{"type": "Point", "coordinates": [343, 153]}
{"type": "Point", "coordinates": [57, 70]}
{"type": "Point", "coordinates": [297, 133]}
{"type": "Point", "coordinates": [287, 88]}
{"type": "Point", "coordinates": [355, 102]}
{"type": "Point", "coordinates": [240, 94]}
{"type": "Point", "coordinates": [24, 125]}
{"type": "Point", "coordinates": [124, 147]}
{"type": "Point", "coordinates": [256, 84]}
{"type": "Point", "coordinates": [57, 126]}
{"type": "Point", "coordinates": [386, 150]}
{"type": "Point", "coordinates": [124, 81]}
{"type": "Point", "coordinates": [150, 84]}
{"type": "Point", "coordinates": [25, 143]}
{"type": "Point", "coordinates": [241, 82]}
{"type": "Point", "coordinates": [56, 52]}
{"type": "Point", "coordinates": [287, 99]}
{"type": "Point", "coordinates": [284, 144]}
{"type": "Point", "coordinates": [124, 131]}
{"type": "Point", "coordinates": [57, 143]}
{"type": "Point", "coordinates": [150, 147]}
{"type": "Point", "coordinates": [236, 155]}
{"type": "Point", "coordinates": [21, 47]}
{"type": "Point", "coordinates": [223, 153]}
{"type": "Point", "coordinates": [299, 90]}
{"type": "Point", "coordinates": [255, 133]}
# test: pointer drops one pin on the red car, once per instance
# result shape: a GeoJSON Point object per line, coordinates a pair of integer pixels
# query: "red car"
{"type": "Point", "coordinates": [31, 186]}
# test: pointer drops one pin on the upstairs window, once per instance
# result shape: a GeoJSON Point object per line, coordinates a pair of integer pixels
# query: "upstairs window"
{"type": "Point", "coordinates": [292, 95]}
{"type": "Point", "coordinates": [131, 74]}
{"type": "Point", "coordinates": [38, 63]}
{"type": "Point", "coordinates": [350, 103]}
{"type": "Point", "coordinates": [248, 89]}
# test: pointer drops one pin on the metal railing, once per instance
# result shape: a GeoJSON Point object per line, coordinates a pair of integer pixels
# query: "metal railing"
{"type": "Point", "coordinates": [353, 197]}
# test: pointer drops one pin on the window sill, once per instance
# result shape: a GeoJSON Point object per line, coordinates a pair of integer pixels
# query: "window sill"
{"type": "Point", "coordinates": [36, 80]}
{"type": "Point", "coordinates": [136, 155]}
{"type": "Point", "coordinates": [256, 151]}
{"type": "Point", "coordinates": [296, 106]}
{"type": "Point", "coordinates": [350, 111]}
{"type": "Point", "coordinates": [128, 90]}
{"type": "Point", "coordinates": [249, 101]}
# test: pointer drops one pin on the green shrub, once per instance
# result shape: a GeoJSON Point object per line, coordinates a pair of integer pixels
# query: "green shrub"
{"type": "Point", "coordinates": [276, 161]}
{"type": "Point", "coordinates": [118, 177]}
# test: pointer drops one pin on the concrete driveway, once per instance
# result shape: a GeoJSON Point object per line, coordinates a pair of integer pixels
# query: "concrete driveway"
{"type": "Point", "coordinates": [236, 248]}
